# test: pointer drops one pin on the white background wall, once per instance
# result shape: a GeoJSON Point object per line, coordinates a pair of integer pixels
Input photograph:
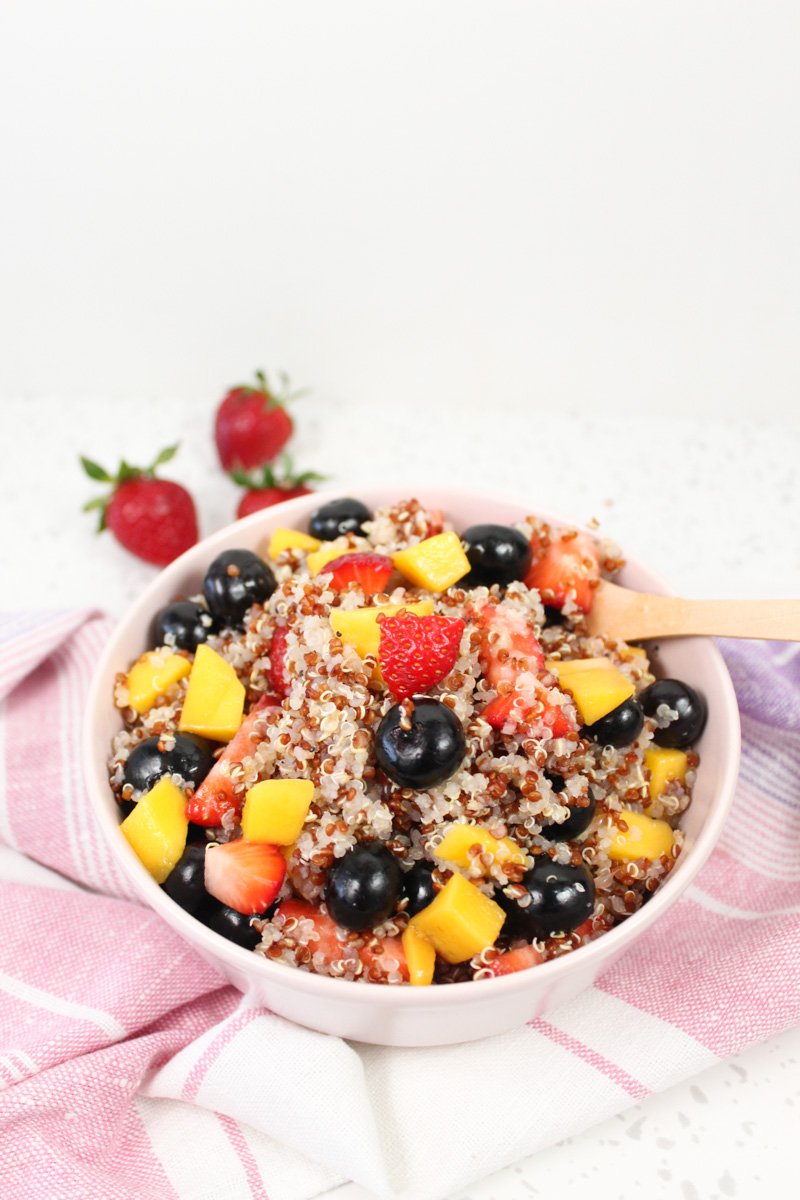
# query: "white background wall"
{"type": "Point", "coordinates": [580, 206]}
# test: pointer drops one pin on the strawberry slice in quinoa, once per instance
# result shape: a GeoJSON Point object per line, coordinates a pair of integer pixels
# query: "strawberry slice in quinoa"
{"type": "Point", "coordinates": [246, 876]}
{"type": "Point", "coordinates": [324, 937]}
{"type": "Point", "coordinates": [518, 711]}
{"type": "Point", "coordinates": [518, 959]}
{"type": "Point", "coordinates": [570, 564]}
{"type": "Point", "coordinates": [434, 524]}
{"type": "Point", "coordinates": [370, 571]}
{"type": "Point", "coordinates": [380, 956]}
{"type": "Point", "coordinates": [509, 646]}
{"type": "Point", "coordinates": [417, 652]}
{"type": "Point", "coordinates": [216, 795]}
{"type": "Point", "coordinates": [277, 675]}
{"type": "Point", "coordinates": [512, 659]}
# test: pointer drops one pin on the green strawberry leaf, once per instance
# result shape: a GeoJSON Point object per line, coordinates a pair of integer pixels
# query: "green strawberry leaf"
{"type": "Point", "coordinates": [95, 471]}
{"type": "Point", "coordinates": [165, 456]}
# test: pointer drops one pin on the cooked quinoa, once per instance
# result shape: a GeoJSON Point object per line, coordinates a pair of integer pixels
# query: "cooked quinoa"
{"type": "Point", "coordinates": [324, 731]}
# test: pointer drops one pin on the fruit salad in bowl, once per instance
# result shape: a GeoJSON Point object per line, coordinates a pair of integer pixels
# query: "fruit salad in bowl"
{"type": "Point", "coordinates": [368, 756]}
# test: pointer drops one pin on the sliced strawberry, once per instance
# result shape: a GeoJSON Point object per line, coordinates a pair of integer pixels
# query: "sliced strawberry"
{"type": "Point", "coordinates": [369, 571]}
{"type": "Point", "coordinates": [325, 937]}
{"type": "Point", "coordinates": [570, 563]}
{"type": "Point", "coordinates": [435, 523]}
{"type": "Point", "coordinates": [216, 796]}
{"type": "Point", "coordinates": [516, 960]}
{"type": "Point", "coordinates": [511, 657]}
{"type": "Point", "coordinates": [416, 652]}
{"type": "Point", "coordinates": [509, 646]}
{"type": "Point", "coordinates": [381, 957]}
{"type": "Point", "coordinates": [507, 713]}
{"type": "Point", "coordinates": [246, 876]}
{"type": "Point", "coordinates": [277, 674]}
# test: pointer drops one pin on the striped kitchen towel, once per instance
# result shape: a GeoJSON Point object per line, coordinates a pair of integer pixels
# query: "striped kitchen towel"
{"type": "Point", "coordinates": [128, 1067]}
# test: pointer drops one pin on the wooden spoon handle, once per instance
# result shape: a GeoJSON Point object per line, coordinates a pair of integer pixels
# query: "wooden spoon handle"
{"type": "Point", "coordinates": [646, 616]}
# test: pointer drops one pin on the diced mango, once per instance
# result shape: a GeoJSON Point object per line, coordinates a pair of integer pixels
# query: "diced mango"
{"type": "Point", "coordinates": [275, 810]}
{"type": "Point", "coordinates": [150, 677]}
{"type": "Point", "coordinates": [664, 765]}
{"type": "Point", "coordinates": [359, 626]}
{"type": "Point", "coordinates": [291, 539]}
{"type": "Point", "coordinates": [644, 838]}
{"type": "Point", "coordinates": [317, 560]}
{"type": "Point", "coordinates": [420, 956]}
{"type": "Point", "coordinates": [577, 664]}
{"type": "Point", "coordinates": [214, 702]}
{"type": "Point", "coordinates": [459, 839]}
{"type": "Point", "coordinates": [597, 690]}
{"type": "Point", "coordinates": [157, 828]}
{"type": "Point", "coordinates": [435, 564]}
{"type": "Point", "coordinates": [461, 921]}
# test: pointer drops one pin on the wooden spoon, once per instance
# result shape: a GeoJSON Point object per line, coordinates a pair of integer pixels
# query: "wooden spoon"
{"type": "Point", "coordinates": [620, 613]}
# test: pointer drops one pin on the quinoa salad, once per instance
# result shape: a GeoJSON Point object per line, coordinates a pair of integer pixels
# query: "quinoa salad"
{"type": "Point", "coordinates": [387, 750]}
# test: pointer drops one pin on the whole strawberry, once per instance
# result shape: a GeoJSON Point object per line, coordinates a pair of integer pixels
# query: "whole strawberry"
{"type": "Point", "coordinates": [252, 425]}
{"type": "Point", "coordinates": [267, 487]}
{"type": "Point", "coordinates": [153, 518]}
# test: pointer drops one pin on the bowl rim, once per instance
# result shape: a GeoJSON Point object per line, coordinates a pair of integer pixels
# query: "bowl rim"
{"type": "Point", "coordinates": [613, 942]}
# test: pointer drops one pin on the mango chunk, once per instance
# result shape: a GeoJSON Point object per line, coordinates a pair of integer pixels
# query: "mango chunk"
{"type": "Point", "coordinates": [644, 838]}
{"type": "Point", "coordinates": [435, 564]}
{"type": "Point", "coordinates": [157, 828]}
{"type": "Point", "coordinates": [458, 840]}
{"type": "Point", "coordinates": [597, 690]}
{"type": "Point", "coordinates": [664, 765]}
{"type": "Point", "coordinates": [275, 810]}
{"type": "Point", "coordinates": [150, 677]}
{"type": "Point", "coordinates": [572, 665]}
{"type": "Point", "coordinates": [461, 921]}
{"type": "Point", "coordinates": [317, 560]}
{"type": "Point", "coordinates": [359, 626]}
{"type": "Point", "coordinates": [420, 956]}
{"type": "Point", "coordinates": [214, 702]}
{"type": "Point", "coordinates": [291, 539]}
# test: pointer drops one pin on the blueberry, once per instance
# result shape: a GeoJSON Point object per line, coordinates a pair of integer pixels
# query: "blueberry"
{"type": "Point", "coordinates": [577, 822]}
{"type": "Point", "coordinates": [427, 753]}
{"type": "Point", "coordinates": [185, 882]}
{"type": "Point", "coordinates": [497, 554]}
{"type": "Point", "coordinates": [561, 899]}
{"type": "Point", "coordinates": [618, 728]}
{"type": "Point", "coordinates": [182, 624]}
{"type": "Point", "coordinates": [552, 616]}
{"type": "Point", "coordinates": [191, 758]}
{"type": "Point", "coordinates": [362, 888]}
{"type": "Point", "coordinates": [418, 887]}
{"type": "Point", "coordinates": [233, 925]}
{"type": "Point", "coordinates": [235, 580]}
{"type": "Point", "coordinates": [336, 517]}
{"type": "Point", "coordinates": [690, 707]}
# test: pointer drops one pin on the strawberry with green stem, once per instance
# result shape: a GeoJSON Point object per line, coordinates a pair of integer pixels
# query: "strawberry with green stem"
{"type": "Point", "coordinates": [155, 519]}
{"type": "Point", "coordinates": [268, 486]}
{"type": "Point", "coordinates": [252, 425]}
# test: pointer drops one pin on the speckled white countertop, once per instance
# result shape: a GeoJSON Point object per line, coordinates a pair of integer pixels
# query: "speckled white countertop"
{"type": "Point", "coordinates": [713, 505]}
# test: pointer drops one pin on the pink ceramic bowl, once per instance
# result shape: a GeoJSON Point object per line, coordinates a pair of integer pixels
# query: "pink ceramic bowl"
{"type": "Point", "coordinates": [406, 1016]}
